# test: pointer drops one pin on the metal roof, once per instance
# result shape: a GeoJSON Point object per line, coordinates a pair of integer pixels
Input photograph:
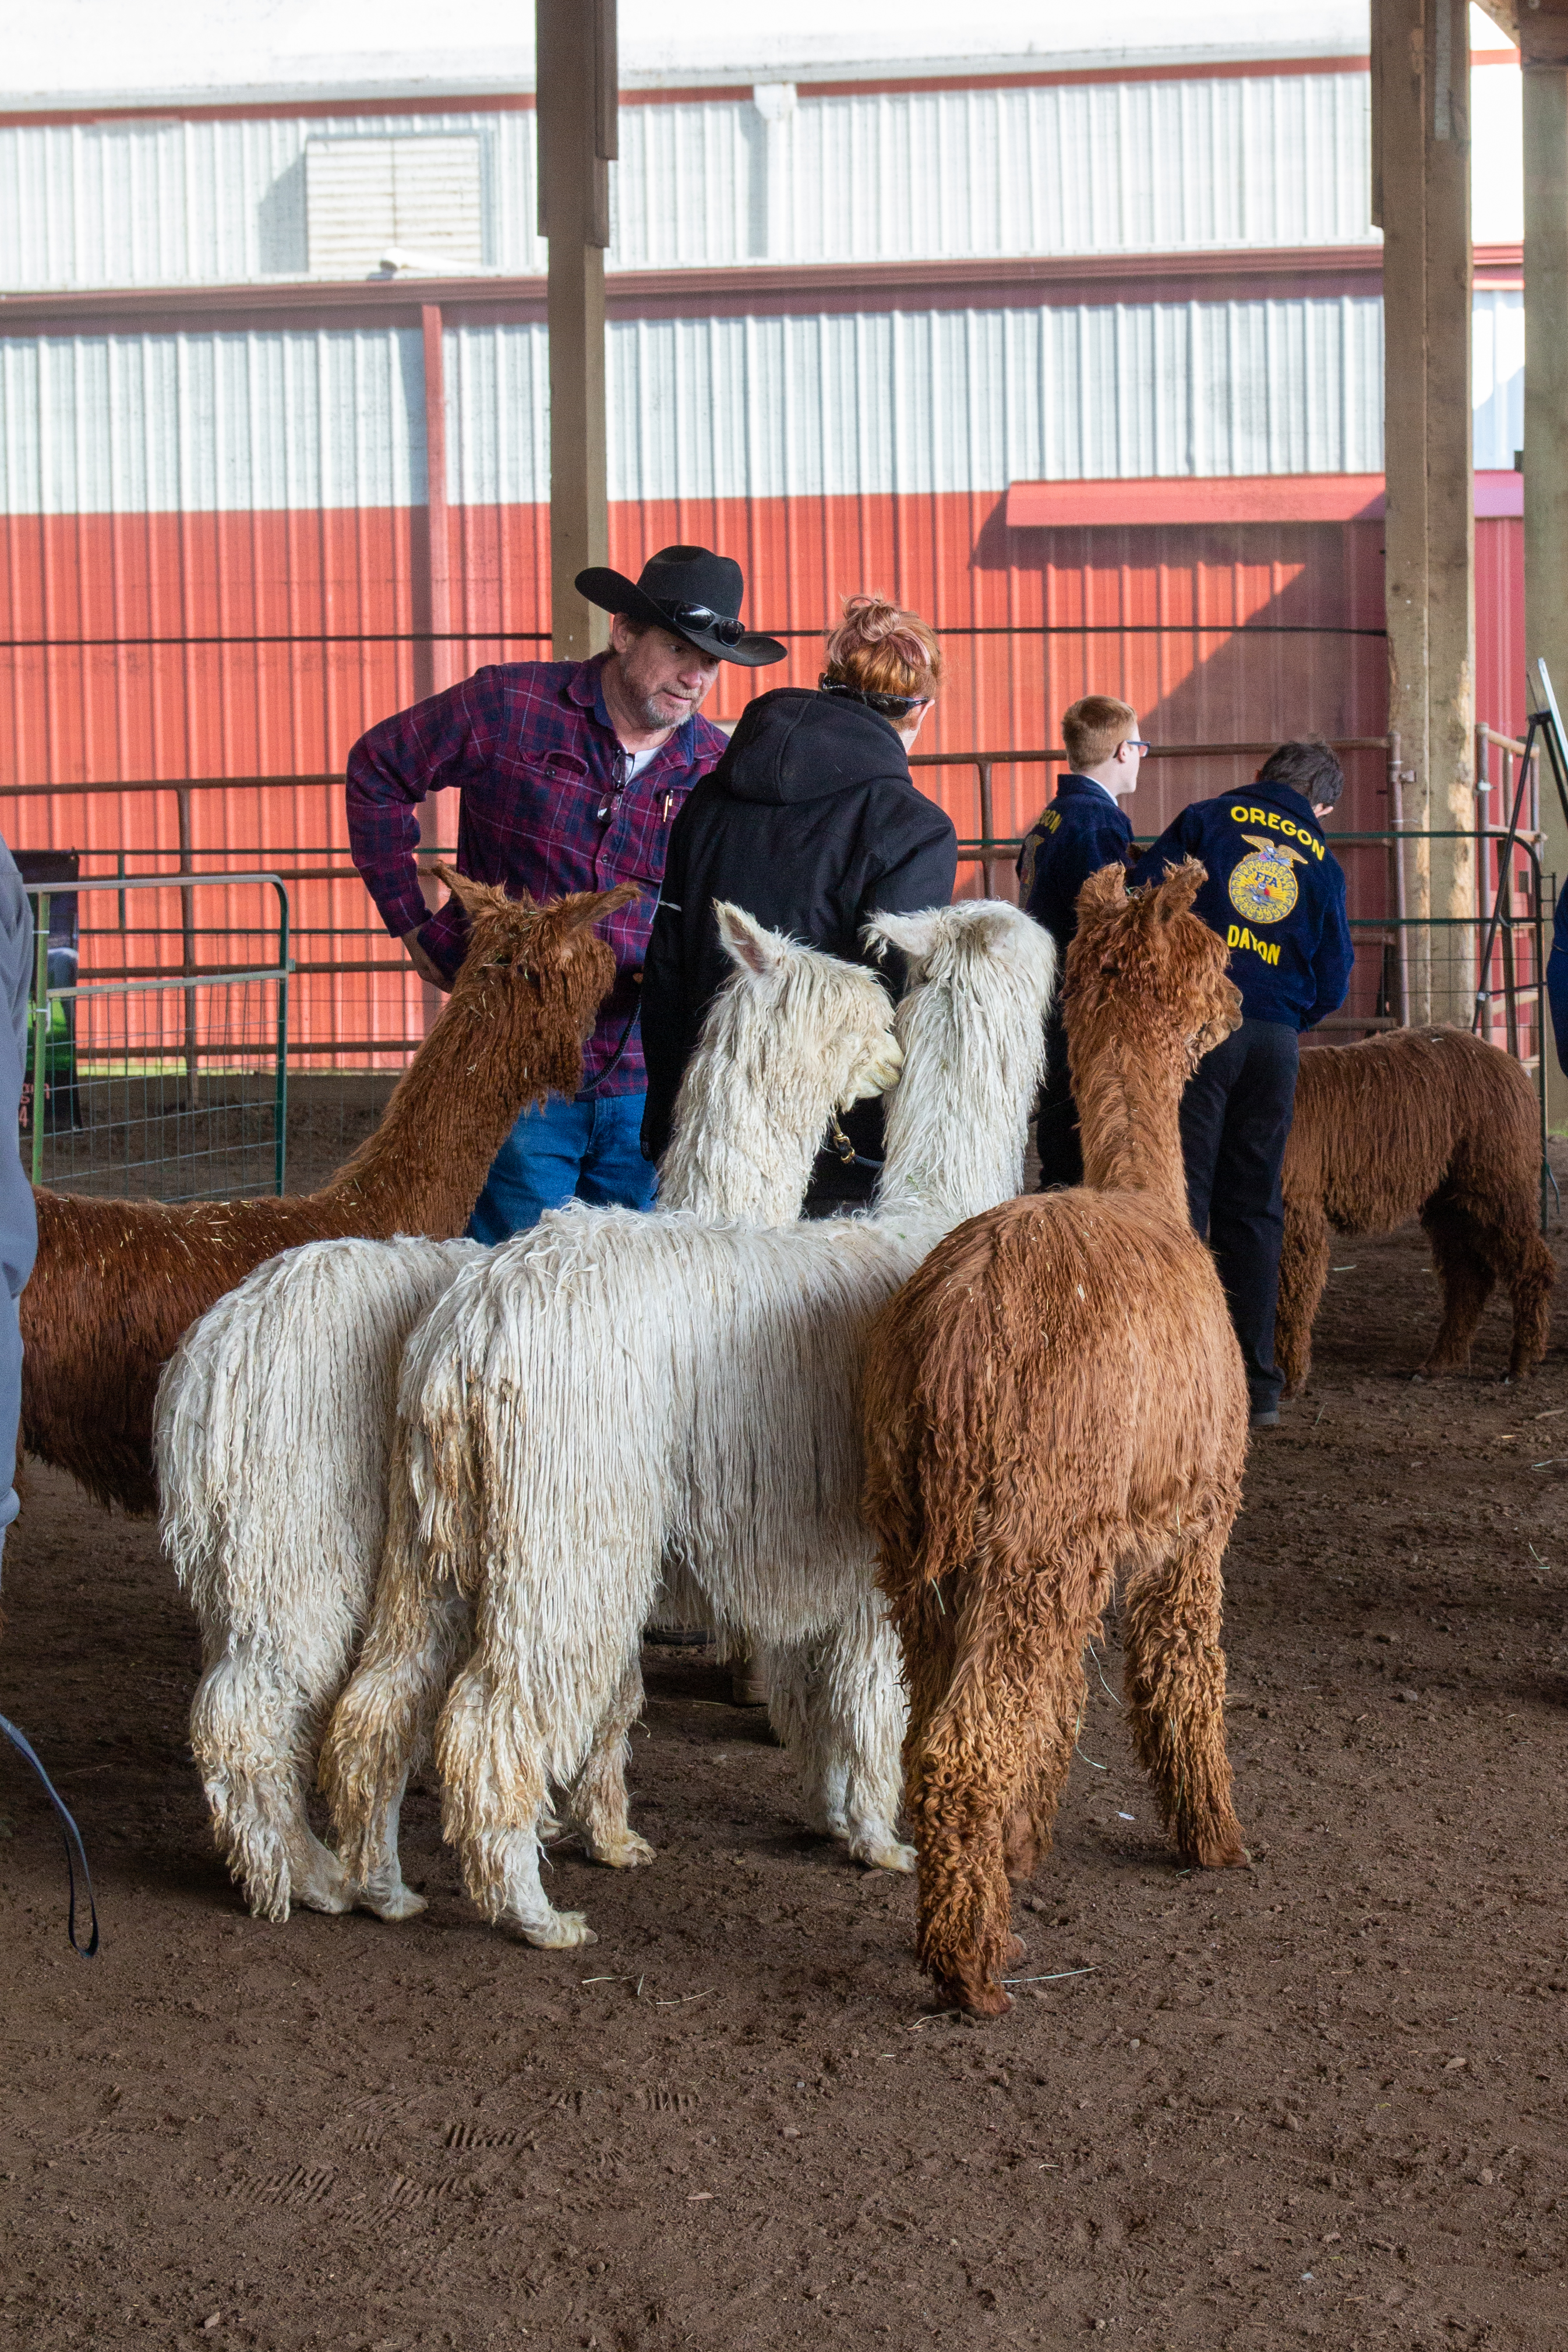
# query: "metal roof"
{"type": "Point", "coordinates": [117, 53]}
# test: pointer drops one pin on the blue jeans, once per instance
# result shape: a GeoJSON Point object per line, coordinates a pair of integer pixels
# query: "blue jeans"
{"type": "Point", "coordinates": [586, 1151]}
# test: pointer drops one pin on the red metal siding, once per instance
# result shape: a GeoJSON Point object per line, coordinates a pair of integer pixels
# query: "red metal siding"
{"type": "Point", "coordinates": [1215, 631]}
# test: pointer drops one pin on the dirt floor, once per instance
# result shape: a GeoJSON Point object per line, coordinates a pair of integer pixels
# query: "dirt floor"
{"type": "Point", "coordinates": [1319, 2100]}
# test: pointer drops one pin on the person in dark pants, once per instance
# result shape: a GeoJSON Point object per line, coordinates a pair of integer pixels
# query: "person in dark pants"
{"type": "Point", "coordinates": [1083, 829]}
{"type": "Point", "coordinates": [811, 823]}
{"type": "Point", "coordinates": [1277, 895]}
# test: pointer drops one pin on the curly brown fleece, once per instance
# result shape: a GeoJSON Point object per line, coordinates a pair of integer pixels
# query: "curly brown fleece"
{"type": "Point", "coordinates": [1428, 1123]}
{"type": "Point", "coordinates": [1057, 1395]}
{"type": "Point", "coordinates": [117, 1282]}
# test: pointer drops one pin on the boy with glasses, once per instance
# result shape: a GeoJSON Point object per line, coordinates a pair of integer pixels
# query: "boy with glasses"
{"type": "Point", "coordinates": [1083, 829]}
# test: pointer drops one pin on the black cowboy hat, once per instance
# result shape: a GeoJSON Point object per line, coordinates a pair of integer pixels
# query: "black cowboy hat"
{"type": "Point", "coordinates": [690, 592]}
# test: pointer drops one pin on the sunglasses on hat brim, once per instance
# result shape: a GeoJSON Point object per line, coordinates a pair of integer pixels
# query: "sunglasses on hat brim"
{"type": "Point", "coordinates": [721, 625]}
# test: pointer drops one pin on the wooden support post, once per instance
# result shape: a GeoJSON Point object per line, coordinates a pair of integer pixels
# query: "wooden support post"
{"type": "Point", "coordinates": [437, 669]}
{"type": "Point", "coordinates": [1546, 426]}
{"type": "Point", "coordinates": [577, 101]}
{"type": "Point", "coordinates": [1421, 196]}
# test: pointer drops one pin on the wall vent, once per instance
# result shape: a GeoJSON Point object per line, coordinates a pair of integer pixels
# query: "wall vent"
{"type": "Point", "coordinates": [410, 203]}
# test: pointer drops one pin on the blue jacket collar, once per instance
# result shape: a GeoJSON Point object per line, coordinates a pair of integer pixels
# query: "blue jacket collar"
{"type": "Point", "coordinates": [1076, 787]}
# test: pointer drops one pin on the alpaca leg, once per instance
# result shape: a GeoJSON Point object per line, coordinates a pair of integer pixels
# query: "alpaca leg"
{"type": "Point", "coordinates": [1526, 1266]}
{"type": "Point", "coordinates": [792, 1668]}
{"type": "Point", "coordinates": [1303, 1271]}
{"type": "Point", "coordinates": [997, 1743]}
{"type": "Point", "coordinates": [599, 1793]}
{"type": "Point", "coordinates": [379, 1731]}
{"type": "Point", "coordinates": [253, 1732]}
{"type": "Point", "coordinates": [1175, 1692]}
{"type": "Point", "coordinates": [837, 1704]}
{"type": "Point", "coordinates": [1468, 1280]}
{"type": "Point", "coordinates": [495, 1807]}
{"type": "Point", "coordinates": [855, 1715]}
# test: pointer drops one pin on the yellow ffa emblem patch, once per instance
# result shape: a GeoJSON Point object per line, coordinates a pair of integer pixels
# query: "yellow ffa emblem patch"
{"type": "Point", "coordinates": [1264, 886]}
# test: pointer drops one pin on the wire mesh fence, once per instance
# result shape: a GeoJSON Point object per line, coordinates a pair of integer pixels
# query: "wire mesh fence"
{"type": "Point", "coordinates": [207, 1029]}
{"type": "Point", "coordinates": [156, 1080]}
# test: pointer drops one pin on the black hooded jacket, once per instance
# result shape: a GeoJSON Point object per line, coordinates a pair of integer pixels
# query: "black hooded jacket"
{"type": "Point", "coordinates": [811, 823]}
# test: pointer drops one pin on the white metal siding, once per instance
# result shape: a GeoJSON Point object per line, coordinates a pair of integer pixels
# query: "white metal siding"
{"type": "Point", "coordinates": [167, 203]}
{"type": "Point", "coordinates": [1158, 166]}
{"type": "Point", "coordinates": [725, 407]}
{"type": "Point", "coordinates": [202, 423]}
{"type": "Point", "coordinates": [1498, 388]}
{"type": "Point", "coordinates": [769, 407]}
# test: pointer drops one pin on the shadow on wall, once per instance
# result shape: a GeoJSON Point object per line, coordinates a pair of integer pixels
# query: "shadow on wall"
{"type": "Point", "coordinates": [1196, 626]}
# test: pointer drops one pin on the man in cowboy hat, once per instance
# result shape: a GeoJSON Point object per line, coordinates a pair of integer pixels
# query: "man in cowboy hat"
{"type": "Point", "coordinates": [569, 776]}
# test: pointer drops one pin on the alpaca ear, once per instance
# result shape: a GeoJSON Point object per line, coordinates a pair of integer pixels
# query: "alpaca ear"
{"type": "Point", "coordinates": [1181, 885]}
{"type": "Point", "coordinates": [586, 906]}
{"type": "Point", "coordinates": [914, 936]}
{"type": "Point", "coordinates": [749, 945]}
{"type": "Point", "coordinates": [1102, 895]}
{"type": "Point", "coordinates": [470, 895]}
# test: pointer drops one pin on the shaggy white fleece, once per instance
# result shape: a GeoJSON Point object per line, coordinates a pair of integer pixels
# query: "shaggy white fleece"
{"type": "Point", "coordinates": [274, 1417]}
{"type": "Point", "coordinates": [612, 1399]}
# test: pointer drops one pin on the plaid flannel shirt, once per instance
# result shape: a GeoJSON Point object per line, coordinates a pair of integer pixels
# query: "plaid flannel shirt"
{"type": "Point", "coordinates": [544, 806]}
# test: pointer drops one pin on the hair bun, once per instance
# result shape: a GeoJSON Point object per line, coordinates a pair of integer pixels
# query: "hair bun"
{"type": "Point", "coordinates": [871, 618]}
{"type": "Point", "coordinates": [881, 649]}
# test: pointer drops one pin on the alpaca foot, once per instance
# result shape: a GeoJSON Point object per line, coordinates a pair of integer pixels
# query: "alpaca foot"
{"type": "Point", "coordinates": [559, 1933]}
{"type": "Point", "coordinates": [1215, 1849]}
{"type": "Point", "coordinates": [973, 1996]}
{"type": "Point", "coordinates": [623, 1852]}
{"type": "Point", "coordinates": [316, 1878]}
{"type": "Point", "coordinates": [880, 1850]}
{"type": "Point", "coordinates": [330, 1890]}
{"type": "Point", "coordinates": [399, 1902]}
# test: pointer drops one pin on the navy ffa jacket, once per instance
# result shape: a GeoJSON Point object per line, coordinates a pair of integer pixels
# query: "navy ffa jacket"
{"type": "Point", "coordinates": [1276, 895]}
{"type": "Point", "coordinates": [1082, 830]}
{"type": "Point", "coordinates": [1557, 977]}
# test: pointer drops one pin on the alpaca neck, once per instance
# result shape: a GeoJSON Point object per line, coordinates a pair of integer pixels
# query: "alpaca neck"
{"type": "Point", "coordinates": [958, 1119]}
{"type": "Point", "coordinates": [424, 1166]}
{"type": "Point", "coordinates": [745, 1136]}
{"type": "Point", "coordinates": [1128, 1116]}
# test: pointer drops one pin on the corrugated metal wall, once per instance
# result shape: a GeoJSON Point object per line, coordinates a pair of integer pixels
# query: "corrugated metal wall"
{"type": "Point", "coordinates": [271, 484]}
{"type": "Point", "coordinates": [1154, 166]}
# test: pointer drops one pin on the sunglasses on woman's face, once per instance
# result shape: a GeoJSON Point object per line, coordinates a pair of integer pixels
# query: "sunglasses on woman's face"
{"type": "Point", "coordinates": [702, 617]}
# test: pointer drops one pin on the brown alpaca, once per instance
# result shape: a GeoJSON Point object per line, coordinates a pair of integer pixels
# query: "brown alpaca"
{"type": "Point", "coordinates": [1057, 1395]}
{"type": "Point", "coordinates": [117, 1282]}
{"type": "Point", "coordinates": [1428, 1123]}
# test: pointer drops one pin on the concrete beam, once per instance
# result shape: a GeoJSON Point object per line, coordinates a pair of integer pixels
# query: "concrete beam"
{"type": "Point", "coordinates": [1421, 183]}
{"type": "Point", "coordinates": [577, 101]}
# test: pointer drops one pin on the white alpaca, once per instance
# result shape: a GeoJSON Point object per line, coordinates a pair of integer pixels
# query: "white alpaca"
{"type": "Point", "coordinates": [616, 1398]}
{"type": "Point", "coordinates": [274, 1417]}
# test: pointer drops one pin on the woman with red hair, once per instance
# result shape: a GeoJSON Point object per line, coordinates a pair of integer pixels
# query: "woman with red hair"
{"type": "Point", "coordinates": [811, 823]}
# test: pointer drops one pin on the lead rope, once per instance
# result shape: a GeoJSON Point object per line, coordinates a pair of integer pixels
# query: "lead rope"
{"type": "Point", "coordinates": [75, 1851]}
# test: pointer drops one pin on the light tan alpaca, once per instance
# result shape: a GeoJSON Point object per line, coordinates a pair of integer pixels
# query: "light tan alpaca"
{"type": "Point", "coordinates": [1057, 1395]}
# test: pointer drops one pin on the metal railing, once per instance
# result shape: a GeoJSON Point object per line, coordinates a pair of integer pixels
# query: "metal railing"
{"type": "Point", "coordinates": [168, 1081]}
